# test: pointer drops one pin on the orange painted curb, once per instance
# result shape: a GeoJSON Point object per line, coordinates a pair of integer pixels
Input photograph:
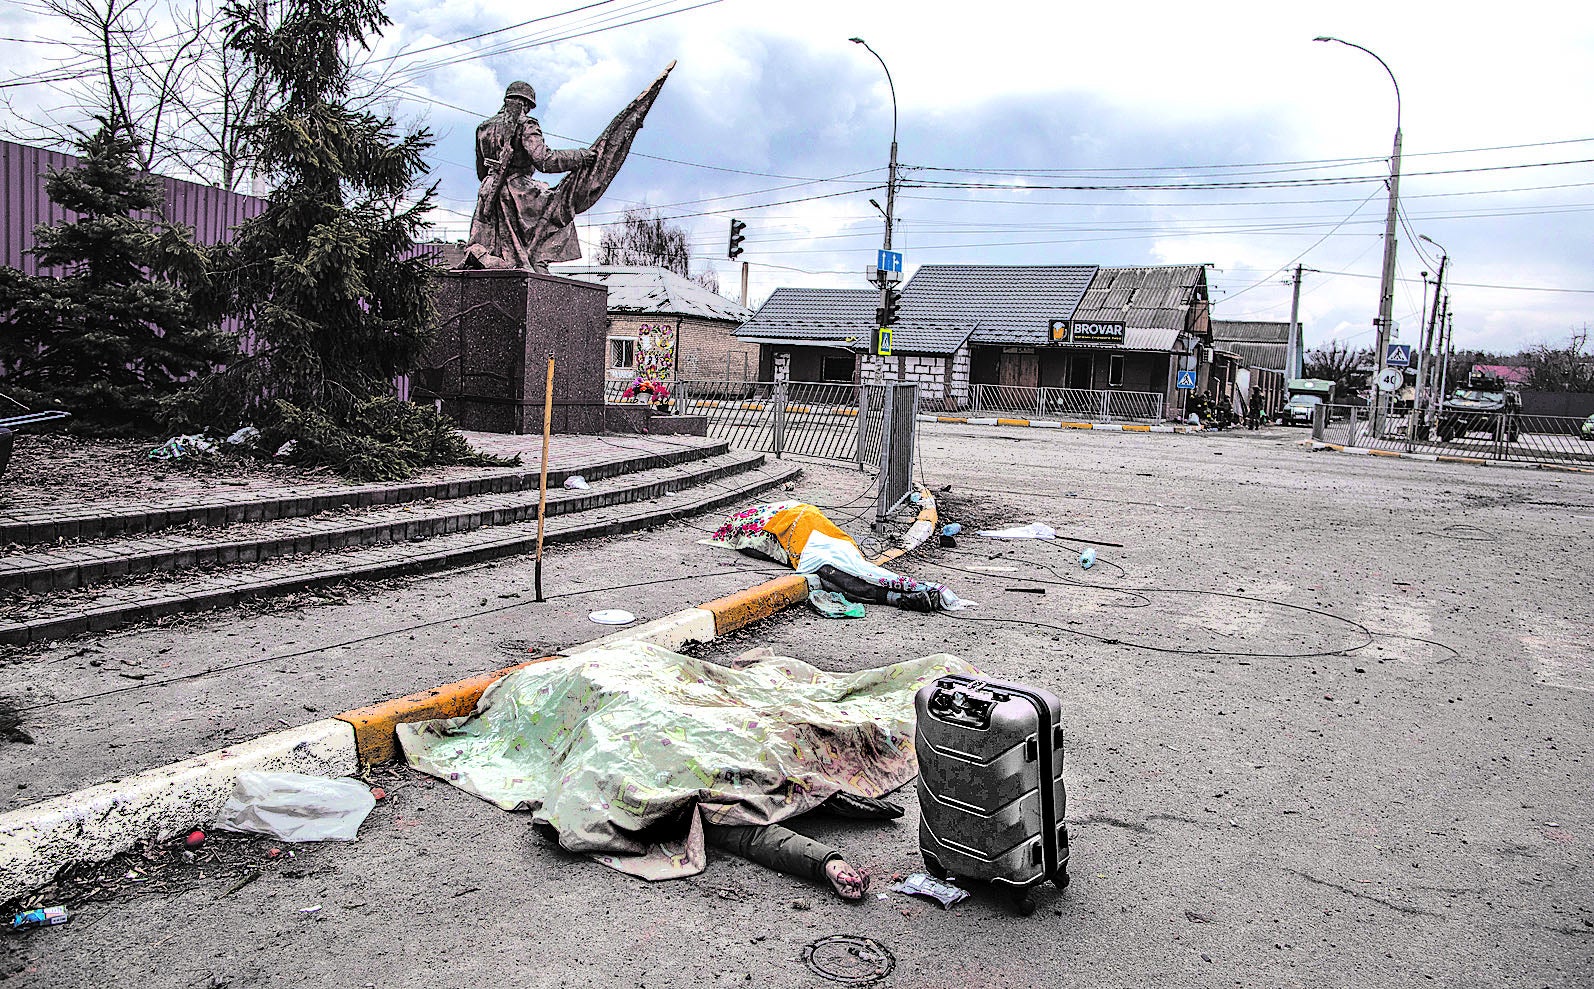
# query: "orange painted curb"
{"type": "Point", "coordinates": [1136, 428]}
{"type": "Point", "coordinates": [745, 607]}
{"type": "Point", "coordinates": [1012, 422]}
{"type": "Point", "coordinates": [374, 738]}
{"type": "Point", "coordinates": [1076, 425]}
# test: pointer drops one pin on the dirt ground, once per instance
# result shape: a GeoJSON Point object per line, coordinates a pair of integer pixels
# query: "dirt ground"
{"type": "Point", "coordinates": [1329, 723]}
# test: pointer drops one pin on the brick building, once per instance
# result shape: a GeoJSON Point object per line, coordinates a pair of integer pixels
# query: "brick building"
{"type": "Point", "coordinates": [1079, 327]}
{"type": "Point", "coordinates": [668, 327]}
{"type": "Point", "coordinates": [821, 334]}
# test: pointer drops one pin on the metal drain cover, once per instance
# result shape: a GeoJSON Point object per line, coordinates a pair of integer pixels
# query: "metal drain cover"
{"type": "Point", "coordinates": [850, 959]}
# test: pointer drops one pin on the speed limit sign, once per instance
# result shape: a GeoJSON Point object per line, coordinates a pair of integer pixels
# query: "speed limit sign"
{"type": "Point", "coordinates": [1391, 378]}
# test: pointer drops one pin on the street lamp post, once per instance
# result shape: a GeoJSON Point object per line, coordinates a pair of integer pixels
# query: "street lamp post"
{"type": "Point", "coordinates": [1424, 361]}
{"type": "Point", "coordinates": [891, 173]}
{"type": "Point", "coordinates": [1386, 294]}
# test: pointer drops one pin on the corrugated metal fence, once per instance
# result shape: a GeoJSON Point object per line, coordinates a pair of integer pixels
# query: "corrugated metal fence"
{"type": "Point", "coordinates": [24, 170]}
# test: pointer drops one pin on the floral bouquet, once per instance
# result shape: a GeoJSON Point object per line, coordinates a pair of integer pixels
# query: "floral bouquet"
{"type": "Point", "coordinates": [657, 392]}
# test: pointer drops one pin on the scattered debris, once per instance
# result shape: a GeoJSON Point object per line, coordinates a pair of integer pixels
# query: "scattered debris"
{"type": "Point", "coordinates": [940, 890]}
{"type": "Point", "coordinates": [833, 604]}
{"type": "Point", "coordinates": [43, 917]}
{"type": "Point", "coordinates": [296, 807]}
{"type": "Point", "coordinates": [850, 959]}
{"type": "Point", "coordinates": [194, 839]}
{"type": "Point", "coordinates": [612, 616]}
{"type": "Point", "coordinates": [1087, 559]}
{"type": "Point", "coordinates": [187, 445]}
{"type": "Point", "coordinates": [802, 904]}
{"type": "Point", "coordinates": [1197, 918]}
{"type": "Point", "coordinates": [577, 483]}
{"type": "Point", "coordinates": [244, 436]}
{"type": "Point", "coordinates": [1035, 530]}
{"type": "Point", "coordinates": [11, 729]}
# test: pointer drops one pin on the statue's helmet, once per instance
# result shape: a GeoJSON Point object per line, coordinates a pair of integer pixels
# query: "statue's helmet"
{"type": "Point", "coordinates": [522, 90]}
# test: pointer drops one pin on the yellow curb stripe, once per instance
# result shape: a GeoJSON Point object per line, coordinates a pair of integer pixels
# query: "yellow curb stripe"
{"type": "Point", "coordinates": [743, 608]}
{"type": "Point", "coordinates": [1012, 422]}
{"type": "Point", "coordinates": [1076, 425]}
{"type": "Point", "coordinates": [374, 737]}
{"type": "Point", "coordinates": [1130, 427]}
{"type": "Point", "coordinates": [951, 419]}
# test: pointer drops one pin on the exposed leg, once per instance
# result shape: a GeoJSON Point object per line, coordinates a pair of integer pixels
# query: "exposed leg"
{"type": "Point", "coordinates": [778, 847]}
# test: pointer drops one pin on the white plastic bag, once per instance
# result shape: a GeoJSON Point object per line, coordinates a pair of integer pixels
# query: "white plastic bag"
{"type": "Point", "coordinates": [1035, 530]}
{"type": "Point", "coordinates": [296, 807]}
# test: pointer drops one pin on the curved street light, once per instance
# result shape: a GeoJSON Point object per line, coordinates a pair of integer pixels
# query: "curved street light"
{"type": "Point", "coordinates": [1386, 293]}
{"type": "Point", "coordinates": [891, 173]}
{"type": "Point", "coordinates": [1424, 380]}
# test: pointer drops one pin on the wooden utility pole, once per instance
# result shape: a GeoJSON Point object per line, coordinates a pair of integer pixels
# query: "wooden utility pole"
{"type": "Point", "coordinates": [1292, 348]}
{"type": "Point", "coordinates": [542, 481]}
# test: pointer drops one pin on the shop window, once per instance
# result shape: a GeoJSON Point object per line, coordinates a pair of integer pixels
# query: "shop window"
{"type": "Point", "coordinates": [1115, 371]}
{"type": "Point", "coordinates": [622, 353]}
{"type": "Point", "coordinates": [836, 369]}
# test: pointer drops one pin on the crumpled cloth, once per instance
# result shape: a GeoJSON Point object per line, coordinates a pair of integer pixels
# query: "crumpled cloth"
{"type": "Point", "coordinates": [624, 750]}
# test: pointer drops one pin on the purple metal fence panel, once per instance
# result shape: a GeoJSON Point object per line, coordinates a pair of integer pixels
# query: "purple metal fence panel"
{"type": "Point", "coordinates": [211, 212]}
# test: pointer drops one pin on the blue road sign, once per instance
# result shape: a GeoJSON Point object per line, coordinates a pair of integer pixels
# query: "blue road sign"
{"type": "Point", "coordinates": [1186, 381]}
{"type": "Point", "coordinates": [889, 260]}
{"type": "Point", "coordinates": [1399, 355]}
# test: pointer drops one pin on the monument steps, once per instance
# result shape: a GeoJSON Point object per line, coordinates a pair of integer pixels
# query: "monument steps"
{"type": "Point", "coordinates": [107, 583]}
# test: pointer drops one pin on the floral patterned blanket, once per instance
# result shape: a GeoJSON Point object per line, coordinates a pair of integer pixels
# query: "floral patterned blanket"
{"type": "Point", "coordinates": [621, 749]}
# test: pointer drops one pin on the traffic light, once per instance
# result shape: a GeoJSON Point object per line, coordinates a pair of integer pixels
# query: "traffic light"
{"type": "Point", "coordinates": [737, 226]}
{"type": "Point", "coordinates": [890, 302]}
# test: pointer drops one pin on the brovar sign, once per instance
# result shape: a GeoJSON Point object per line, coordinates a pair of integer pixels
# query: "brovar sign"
{"type": "Point", "coordinates": [1080, 331]}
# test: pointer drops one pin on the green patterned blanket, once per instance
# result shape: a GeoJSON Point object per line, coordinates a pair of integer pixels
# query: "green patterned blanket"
{"type": "Point", "coordinates": [621, 749]}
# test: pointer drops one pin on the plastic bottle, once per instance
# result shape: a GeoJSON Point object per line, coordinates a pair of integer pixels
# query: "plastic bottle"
{"type": "Point", "coordinates": [1087, 559]}
{"type": "Point", "coordinates": [951, 529]}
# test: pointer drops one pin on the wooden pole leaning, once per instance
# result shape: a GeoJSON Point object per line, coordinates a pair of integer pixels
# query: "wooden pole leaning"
{"type": "Point", "coordinates": [542, 483]}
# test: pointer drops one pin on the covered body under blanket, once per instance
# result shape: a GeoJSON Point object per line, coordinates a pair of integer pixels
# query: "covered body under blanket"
{"type": "Point", "coordinates": [801, 536]}
{"type": "Point", "coordinates": [626, 750]}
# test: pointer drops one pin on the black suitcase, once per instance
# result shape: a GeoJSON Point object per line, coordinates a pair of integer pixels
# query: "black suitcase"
{"type": "Point", "coordinates": [991, 797]}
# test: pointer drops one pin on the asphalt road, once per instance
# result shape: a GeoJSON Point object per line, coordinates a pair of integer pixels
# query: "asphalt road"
{"type": "Point", "coordinates": [1329, 725]}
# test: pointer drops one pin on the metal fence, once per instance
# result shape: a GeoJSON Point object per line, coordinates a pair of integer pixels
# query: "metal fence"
{"type": "Point", "coordinates": [801, 418]}
{"type": "Point", "coordinates": [1504, 436]}
{"type": "Point", "coordinates": [899, 424]}
{"type": "Point", "coordinates": [1066, 403]}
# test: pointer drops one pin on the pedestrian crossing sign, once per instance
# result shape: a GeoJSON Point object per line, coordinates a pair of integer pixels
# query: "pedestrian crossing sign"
{"type": "Point", "coordinates": [1186, 381]}
{"type": "Point", "coordinates": [883, 342]}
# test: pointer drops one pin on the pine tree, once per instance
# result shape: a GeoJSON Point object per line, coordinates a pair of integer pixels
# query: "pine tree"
{"type": "Point", "coordinates": [326, 280]}
{"type": "Point", "coordinates": [116, 332]}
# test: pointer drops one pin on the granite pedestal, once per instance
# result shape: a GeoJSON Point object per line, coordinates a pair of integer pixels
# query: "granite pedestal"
{"type": "Point", "coordinates": [488, 360]}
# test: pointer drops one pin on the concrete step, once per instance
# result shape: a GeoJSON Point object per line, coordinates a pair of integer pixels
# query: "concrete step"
{"type": "Point", "coordinates": [48, 526]}
{"type": "Point", "coordinates": [41, 571]}
{"type": "Point", "coordinates": [66, 613]}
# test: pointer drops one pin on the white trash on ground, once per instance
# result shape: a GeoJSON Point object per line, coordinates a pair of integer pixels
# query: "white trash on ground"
{"type": "Point", "coordinates": [244, 436]}
{"type": "Point", "coordinates": [296, 807]}
{"type": "Point", "coordinates": [577, 482]}
{"type": "Point", "coordinates": [1035, 530]}
{"type": "Point", "coordinates": [612, 616]}
{"type": "Point", "coordinates": [1087, 559]}
{"type": "Point", "coordinates": [940, 890]}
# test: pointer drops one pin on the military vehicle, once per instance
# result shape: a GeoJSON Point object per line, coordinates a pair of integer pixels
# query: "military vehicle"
{"type": "Point", "coordinates": [1486, 405]}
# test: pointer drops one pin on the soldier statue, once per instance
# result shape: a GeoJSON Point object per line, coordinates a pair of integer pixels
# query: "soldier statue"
{"type": "Point", "coordinates": [520, 221]}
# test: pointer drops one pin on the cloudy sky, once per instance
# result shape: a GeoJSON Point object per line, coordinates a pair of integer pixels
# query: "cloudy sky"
{"type": "Point", "coordinates": [1040, 133]}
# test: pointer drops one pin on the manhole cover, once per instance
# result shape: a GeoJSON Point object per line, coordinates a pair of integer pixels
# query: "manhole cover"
{"type": "Point", "coordinates": [849, 959]}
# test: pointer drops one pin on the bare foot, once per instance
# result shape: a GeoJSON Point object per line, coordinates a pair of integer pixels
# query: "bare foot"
{"type": "Point", "coordinates": [849, 883]}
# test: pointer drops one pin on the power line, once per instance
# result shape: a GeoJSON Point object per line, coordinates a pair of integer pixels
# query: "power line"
{"type": "Point", "coordinates": [1325, 162]}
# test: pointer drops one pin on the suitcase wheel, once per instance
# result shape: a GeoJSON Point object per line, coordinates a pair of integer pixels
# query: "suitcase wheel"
{"type": "Point", "coordinates": [1061, 879]}
{"type": "Point", "coordinates": [1024, 901]}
